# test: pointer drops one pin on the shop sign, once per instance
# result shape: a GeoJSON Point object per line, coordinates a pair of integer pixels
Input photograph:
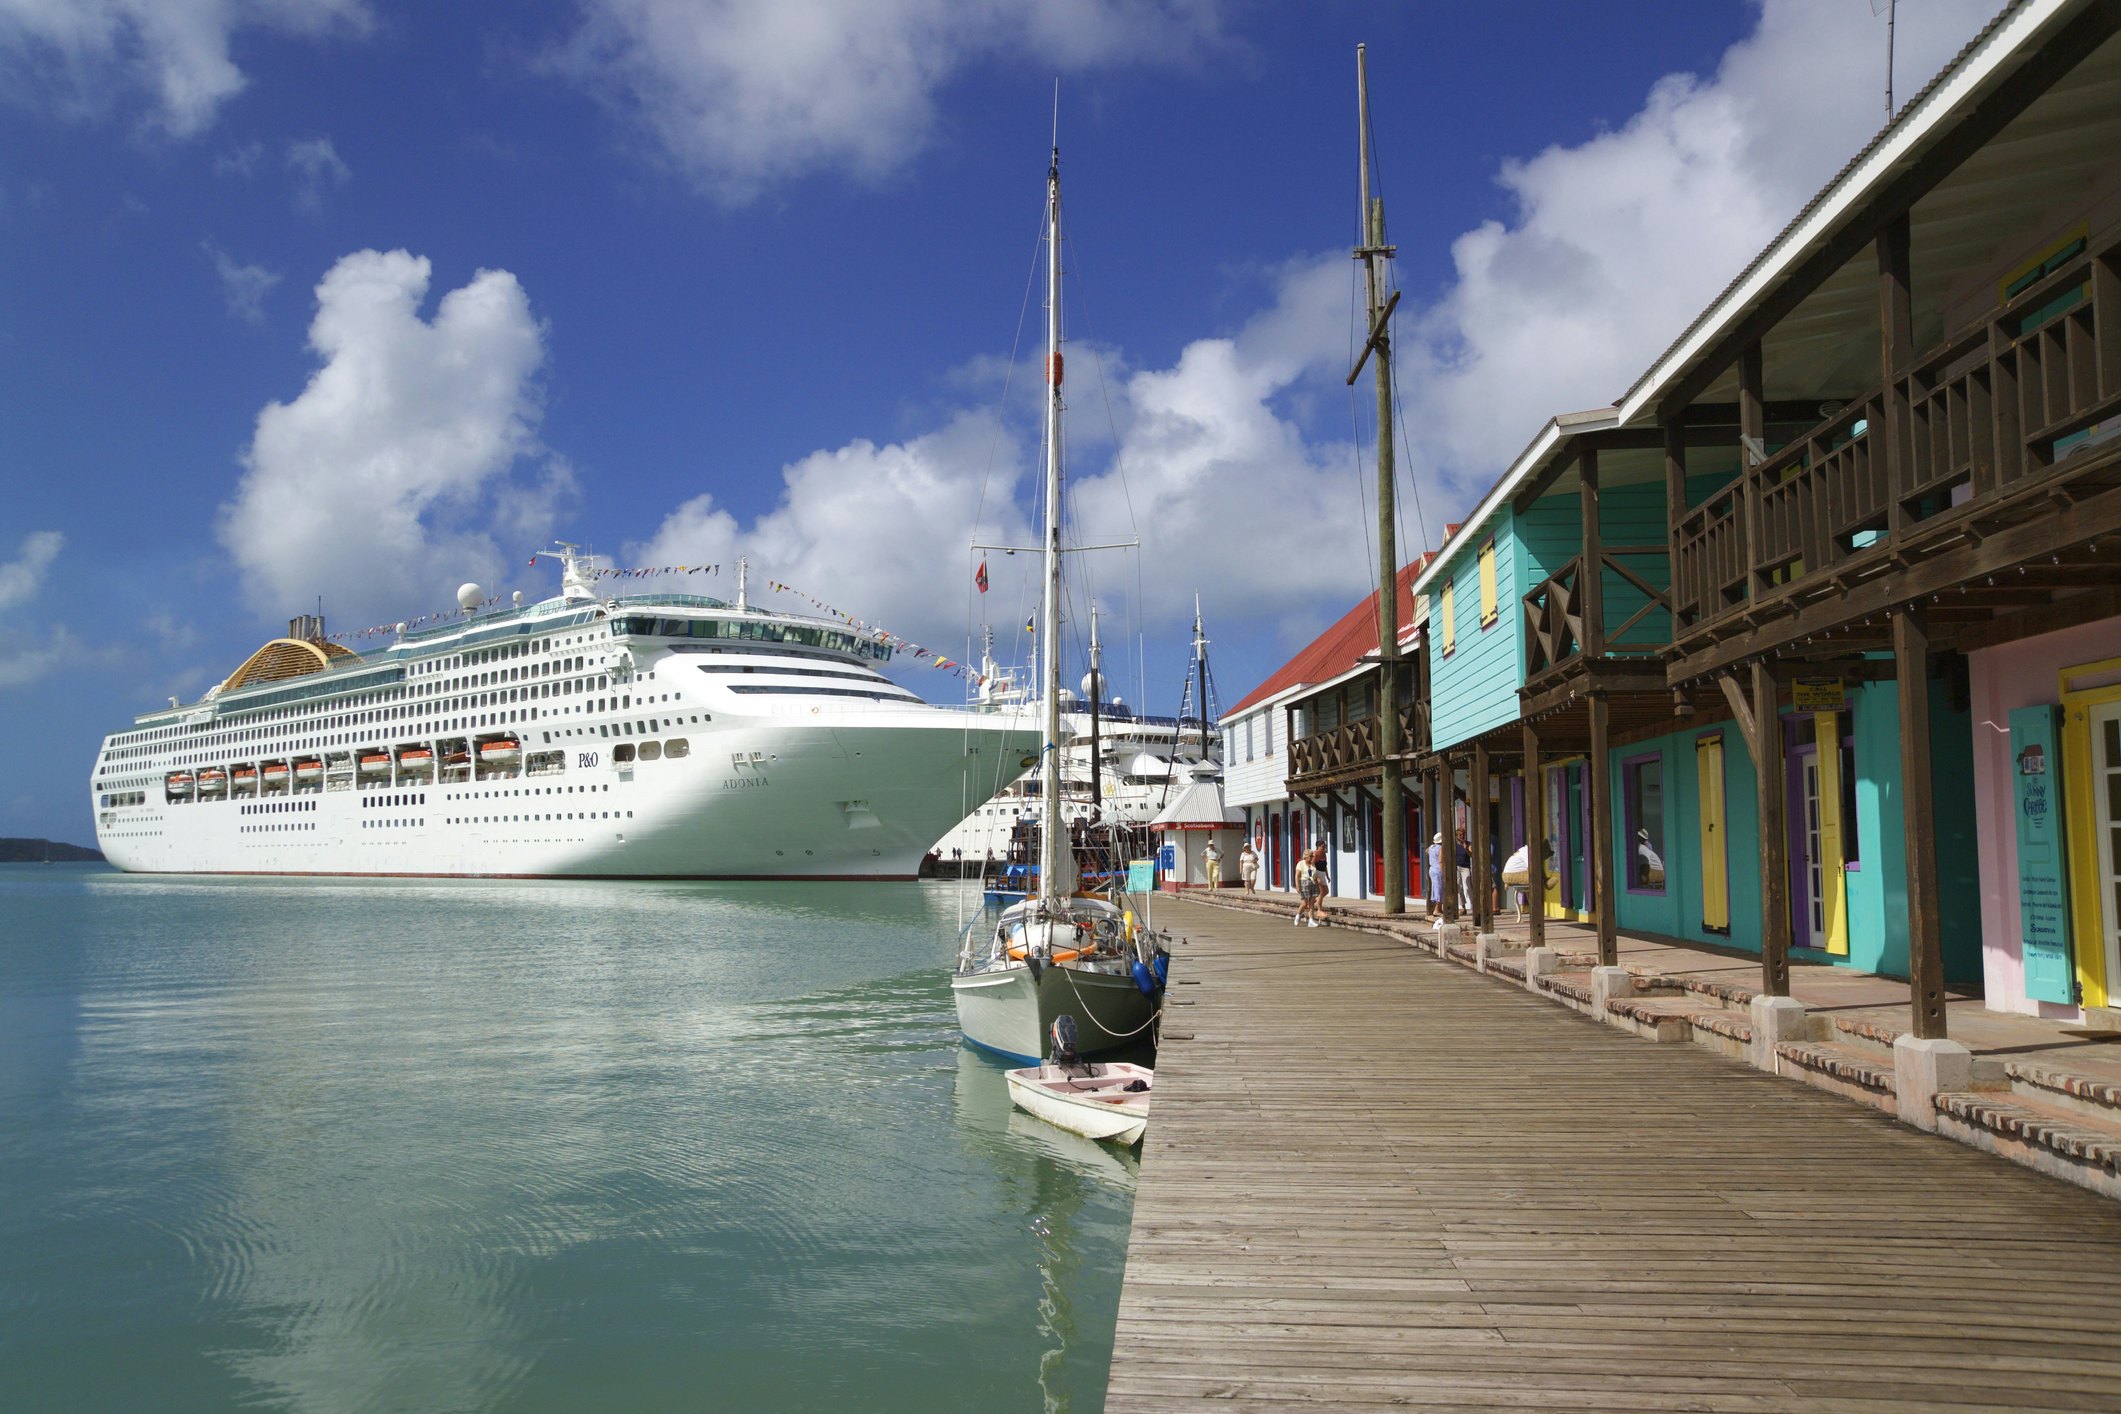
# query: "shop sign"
{"type": "Point", "coordinates": [2043, 880]}
{"type": "Point", "coordinates": [1819, 695]}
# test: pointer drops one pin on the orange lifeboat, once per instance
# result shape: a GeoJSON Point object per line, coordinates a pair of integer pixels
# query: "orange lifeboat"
{"type": "Point", "coordinates": [309, 768]}
{"type": "Point", "coordinates": [375, 763]}
{"type": "Point", "coordinates": [213, 781]}
{"type": "Point", "coordinates": [504, 752]}
{"type": "Point", "coordinates": [177, 784]}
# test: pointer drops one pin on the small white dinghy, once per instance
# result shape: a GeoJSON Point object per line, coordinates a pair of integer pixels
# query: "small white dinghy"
{"type": "Point", "coordinates": [1108, 1100]}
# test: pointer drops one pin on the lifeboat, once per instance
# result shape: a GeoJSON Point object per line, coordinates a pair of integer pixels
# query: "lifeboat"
{"type": "Point", "coordinates": [213, 781]}
{"type": "Point", "coordinates": [504, 752]}
{"type": "Point", "coordinates": [375, 763]}
{"type": "Point", "coordinates": [417, 759]}
{"type": "Point", "coordinates": [276, 773]}
{"type": "Point", "coordinates": [309, 768]}
{"type": "Point", "coordinates": [243, 778]}
{"type": "Point", "coordinates": [177, 783]}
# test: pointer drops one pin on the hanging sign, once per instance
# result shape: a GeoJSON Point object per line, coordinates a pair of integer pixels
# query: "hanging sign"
{"type": "Point", "coordinates": [1141, 876]}
{"type": "Point", "coordinates": [1819, 695]}
{"type": "Point", "coordinates": [2043, 883]}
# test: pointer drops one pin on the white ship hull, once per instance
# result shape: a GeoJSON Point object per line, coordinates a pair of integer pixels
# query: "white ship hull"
{"type": "Point", "coordinates": [689, 740]}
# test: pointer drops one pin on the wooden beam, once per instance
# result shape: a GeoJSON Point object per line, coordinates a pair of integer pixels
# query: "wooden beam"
{"type": "Point", "coordinates": [1535, 838]}
{"type": "Point", "coordinates": [1608, 921]}
{"type": "Point", "coordinates": [1483, 883]}
{"type": "Point", "coordinates": [1896, 336]}
{"type": "Point", "coordinates": [1447, 863]}
{"type": "Point", "coordinates": [1774, 844]}
{"type": "Point", "coordinates": [2011, 95]}
{"type": "Point", "coordinates": [1918, 823]}
{"type": "Point", "coordinates": [2078, 609]}
{"type": "Point", "coordinates": [2094, 518]}
{"type": "Point", "coordinates": [1741, 713]}
{"type": "Point", "coordinates": [1590, 579]}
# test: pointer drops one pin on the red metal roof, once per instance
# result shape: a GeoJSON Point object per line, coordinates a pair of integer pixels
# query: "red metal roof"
{"type": "Point", "coordinates": [1340, 647]}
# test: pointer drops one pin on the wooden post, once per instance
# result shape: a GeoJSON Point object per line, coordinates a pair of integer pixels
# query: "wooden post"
{"type": "Point", "coordinates": [1602, 835]}
{"type": "Point", "coordinates": [1675, 509]}
{"type": "Point", "coordinates": [1447, 780]}
{"type": "Point", "coordinates": [1896, 334]}
{"type": "Point", "coordinates": [1918, 822]}
{"type": "Point", "coordinates": [1483, 883]}
{"type": "Point", "coordinates": [1752, 449]}
{"type": "Point", "coordinates": [1774, 844]}
{"type": "Point", "coordinates": [1590, 580]}
{"type": "Point", "coordinates": [1535, 810]}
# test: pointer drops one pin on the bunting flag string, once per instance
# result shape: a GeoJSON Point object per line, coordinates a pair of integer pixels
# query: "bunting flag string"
{"type": "Point", "coordinates": [898, 642]}
{"type": "Point", "coordinates": [425, 620]}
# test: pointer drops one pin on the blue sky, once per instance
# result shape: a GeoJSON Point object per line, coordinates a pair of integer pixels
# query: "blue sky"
{"type": "Point", "coordinates": [363, 299]}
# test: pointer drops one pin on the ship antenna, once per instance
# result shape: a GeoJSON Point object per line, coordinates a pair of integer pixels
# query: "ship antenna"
{"type": "Point", "coordinates": [743, 583]}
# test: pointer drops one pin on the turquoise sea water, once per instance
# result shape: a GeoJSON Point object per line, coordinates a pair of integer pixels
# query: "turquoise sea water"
{"type": "Point", "coordinates": [330, 1145]}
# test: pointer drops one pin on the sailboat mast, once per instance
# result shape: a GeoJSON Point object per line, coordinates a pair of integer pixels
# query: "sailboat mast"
{"type": "Point", "coordinates": [1200, 671]}
{"type": "Point", "coordinates": [1097, 691]}
{"type": "Point", "coordinates": [1052, 838]}
{"type": "Point", "coordinates": [1391, 787]}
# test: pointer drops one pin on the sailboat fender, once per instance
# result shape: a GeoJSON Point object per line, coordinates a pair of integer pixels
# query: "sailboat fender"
{"type": "Point", "coordinates": [1145, 979]}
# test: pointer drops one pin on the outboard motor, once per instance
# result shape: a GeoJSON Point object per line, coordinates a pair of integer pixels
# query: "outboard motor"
{"type": "Point", "coordinates": [1064, 1039]}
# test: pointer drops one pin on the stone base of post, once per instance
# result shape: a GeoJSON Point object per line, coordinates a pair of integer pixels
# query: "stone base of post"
{"type": "Point", "coordinates": [1776, 1019]}
{"type": "Point", "coordinates": [1538, 963]}
{"type": "Point", "coordinates": [1485, 946]}
{"type": "Point", "coordinates": [1923, 1069]}
{"type": "Point", "coordinates": [1608, 984]}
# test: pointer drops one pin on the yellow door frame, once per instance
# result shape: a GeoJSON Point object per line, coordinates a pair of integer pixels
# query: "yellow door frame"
{"type": "Point", "coordinates": [1833, 859]}
{"type": "Point", "coordinates": [2086, 904]}
{"type": "Point", "coordinates": [1715, 834]}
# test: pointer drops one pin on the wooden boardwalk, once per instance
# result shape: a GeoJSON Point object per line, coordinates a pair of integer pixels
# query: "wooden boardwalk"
{"type": "Point", "coordinates": [1378, 1179]}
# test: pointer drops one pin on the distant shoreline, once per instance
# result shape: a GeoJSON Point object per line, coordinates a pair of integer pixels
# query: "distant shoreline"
{"type": "Point", "coordinates": [28, 851]}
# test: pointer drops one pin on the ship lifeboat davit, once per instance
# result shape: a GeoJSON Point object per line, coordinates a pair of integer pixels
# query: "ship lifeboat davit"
{"type": "Point", "coordinates": [213, 781]}
{"type": "Point", "coordinates": [309, 768]}
{"type": "Point", "coordinates": [504, 752]}
{"type": "Point", "coordinates": [178, 784]}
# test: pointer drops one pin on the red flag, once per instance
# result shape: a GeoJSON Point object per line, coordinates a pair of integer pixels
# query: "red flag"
{"type": "Point", "coordinates": [533, 561]}
{"type": "Point", "coordinates": [980, 579]}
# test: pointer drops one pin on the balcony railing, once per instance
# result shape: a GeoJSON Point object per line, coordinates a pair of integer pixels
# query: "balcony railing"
{"type": "Point", "coordinates": [1354, 746]}
{"type": "Point", "coordinates": [1555, 612]}
{"type": "Point", "coordinates": [1984, 413]}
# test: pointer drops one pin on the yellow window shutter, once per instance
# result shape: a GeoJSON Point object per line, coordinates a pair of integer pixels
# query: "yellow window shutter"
{"type": "Point", "coordinates": [1450, 617]}
{"type": "Point", "coordinates": [1487, 584]}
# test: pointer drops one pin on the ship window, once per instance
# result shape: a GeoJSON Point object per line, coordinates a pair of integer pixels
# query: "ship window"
{"type": "Point", "coordinates": [677, 746]}
{"type": "Point", "coordinates": [651, 751]}
{"type": "Point", "coordinates": [622, 752]}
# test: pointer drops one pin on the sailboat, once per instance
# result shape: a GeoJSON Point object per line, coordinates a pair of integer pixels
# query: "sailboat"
{"type": "Point", "coordinates": [1058, 952]}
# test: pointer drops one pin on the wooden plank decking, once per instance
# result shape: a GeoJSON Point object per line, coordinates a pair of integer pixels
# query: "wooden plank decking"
{"type": "Point", "coordinates": [1377, 1179]}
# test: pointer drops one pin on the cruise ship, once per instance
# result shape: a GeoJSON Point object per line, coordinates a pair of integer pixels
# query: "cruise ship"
{"type": "Point", "coordinates": [653, 736]}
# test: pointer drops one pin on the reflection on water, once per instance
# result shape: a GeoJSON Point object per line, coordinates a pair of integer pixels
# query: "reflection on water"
{"type": "Point", "coordinates": [331, 1145]}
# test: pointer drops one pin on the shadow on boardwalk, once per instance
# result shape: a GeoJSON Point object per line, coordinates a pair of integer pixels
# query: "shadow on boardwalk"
{"type": "Point", "coordinates": [1375, 1178]}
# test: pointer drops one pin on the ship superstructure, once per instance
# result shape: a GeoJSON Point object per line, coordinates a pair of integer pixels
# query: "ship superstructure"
{"type": "Point", "coordinates": [659, 735]}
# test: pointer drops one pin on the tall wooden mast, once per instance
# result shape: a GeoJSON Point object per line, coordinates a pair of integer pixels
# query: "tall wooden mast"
{"type": "Point", "coordinates": [1053, 838]}
{"type": "Point", "coordinates": [1372, 252]}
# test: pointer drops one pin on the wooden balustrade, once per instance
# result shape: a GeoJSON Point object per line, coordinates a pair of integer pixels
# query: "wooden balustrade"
{"type": "Point", "coordinates": [1555, 627]}
{"type": "Point", "coordinates": [2003, 402]}
{"type": "Point", "coordinates": [1354, 746]}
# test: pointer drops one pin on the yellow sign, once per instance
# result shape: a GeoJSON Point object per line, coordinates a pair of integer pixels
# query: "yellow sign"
{"type": "Point", "coordinates": [1819, 695]}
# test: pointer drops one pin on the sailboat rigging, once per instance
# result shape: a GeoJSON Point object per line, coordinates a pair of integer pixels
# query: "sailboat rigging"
{"type": "Point", "coordinates": [1059, 951]}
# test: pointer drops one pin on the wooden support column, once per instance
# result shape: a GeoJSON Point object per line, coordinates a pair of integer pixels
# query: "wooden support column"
{"type": "Point", "coordinates": [1918, 822]}
{"type": "Point", "coordinates": [1535, 810]}
{"type": "Point", "coordinates": [1752, 449]}
{"type": "Point", "coordinates": [1602, 834]}
{"type": "Point", "coordinates": [1590, 582]}
{"type": "Point", "coordinates": [1896, 332]}
{"type": "Point", "coordinates": [1447, 780]}
{"type": "Point", "coordinates": [1483, 884]}
{"type": "Point", "coordinates": [1675, 509]}
{"type": "Point", "coordinates": [1766, 738]}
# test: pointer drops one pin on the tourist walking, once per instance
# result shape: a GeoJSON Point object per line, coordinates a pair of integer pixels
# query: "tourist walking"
{"type": "Point", "coordinates": [1211, 861]}
{"type": "Point", "coordinates": [1248, 867]}
{"type": "Point", "coordinates": [1303, 888]}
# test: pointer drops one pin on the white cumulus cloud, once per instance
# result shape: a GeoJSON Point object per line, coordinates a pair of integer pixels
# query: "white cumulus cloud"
{"type": "Point", "coordinates": [26, 652]}
{"type": "Point", "coordinates": [317, 168]}
{"type": "Point", "coordinates": [744, 93]}
{"type": "Point", "coordinates": [88, 57]}
{"type": "Point", "coordinates": [389, 478]}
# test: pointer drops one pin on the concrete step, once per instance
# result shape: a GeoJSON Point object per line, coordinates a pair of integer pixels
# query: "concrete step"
{"type": "Point", "coordinates": [2040, 1134]}
{"type": "Point", "coordinates": [2067, 1090]}
{"type": "Point", "coordinates": [1865, 1033]}
{"type": "Point", "coordinates": [1844, 1070]}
